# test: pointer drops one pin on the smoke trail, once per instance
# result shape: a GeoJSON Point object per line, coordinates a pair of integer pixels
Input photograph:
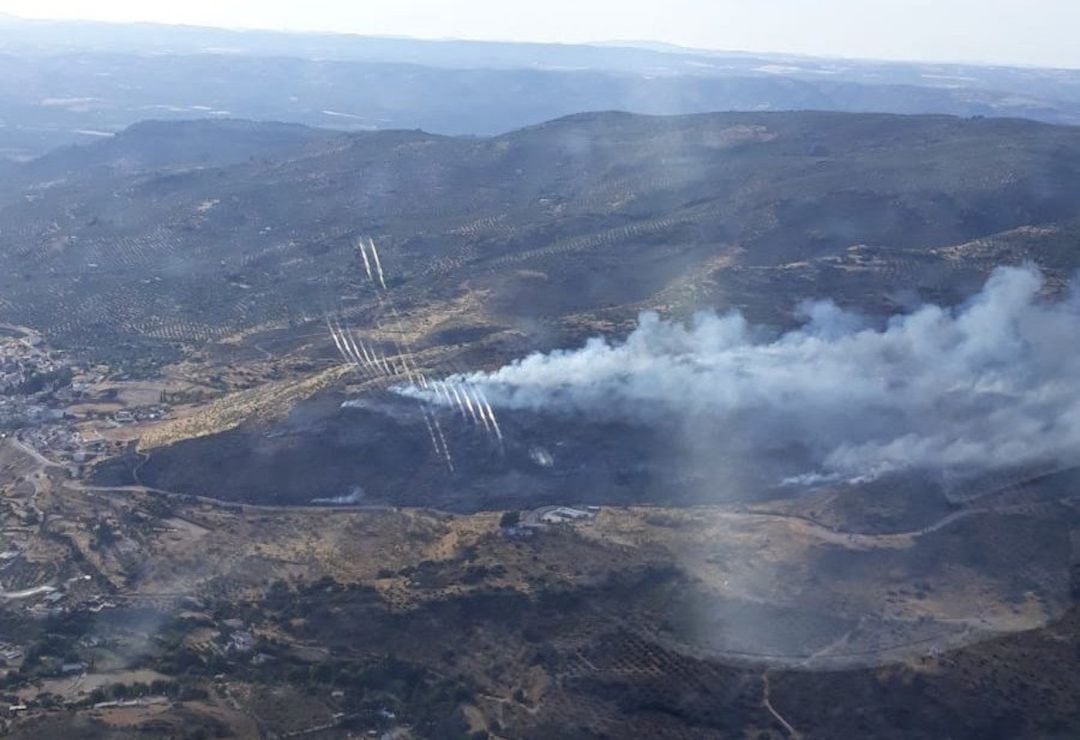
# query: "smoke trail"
{"type": "Point", "coordinates": [442, 440]}
{"type": "Point", "coordinates": [347, 350]}
{"type": "Point", "coordinates": [457, 398]}
{"type": "Point", "coordinates": [441, 394]}
{"type": "Point", "coordinates": [337, 342]}
{"type": "Point", "coordinates": [430, 430]}
{"type": "Point", "coordinates": [438, 440]}
{"type": "Point", "coordinates": [491, 415]}
{"type": "Point", "coordinates": [479, 409]}
{"type": "Point", "coordinates": [367, 265]}
{"type": "Point", "coordinates": [992, 383]}
{"type": "Point", "coordinates": [367, 357]}
{"type": "Point", "coordinates": [350, 342]}
{"type": "Point", "coordinates": [468, 403]}
{"type": "Point", "coordinates": [378, 264]}
{"type": "Point", "coordinates": [403, 363]}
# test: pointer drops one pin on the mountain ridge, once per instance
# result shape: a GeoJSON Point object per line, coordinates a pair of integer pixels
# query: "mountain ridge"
{"type": "Point", "coordinates": [615, 209]}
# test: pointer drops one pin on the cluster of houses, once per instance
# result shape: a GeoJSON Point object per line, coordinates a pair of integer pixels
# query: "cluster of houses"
{"type": "Point", "coordinates": [32, 384]}
{"type": "Point", "coordinates": [566, 514]}
{"type": "Point", "coordinates": [545, 516]}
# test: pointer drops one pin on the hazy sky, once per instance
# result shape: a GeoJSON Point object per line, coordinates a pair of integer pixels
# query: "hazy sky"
{"type": "Point", "coordinates": [1042, 32]}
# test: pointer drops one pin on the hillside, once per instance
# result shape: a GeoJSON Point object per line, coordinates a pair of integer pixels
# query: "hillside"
{"type": "Point", "coordinates": [224, 275]}
{"type": "Point", "coordinates": [597, 212]}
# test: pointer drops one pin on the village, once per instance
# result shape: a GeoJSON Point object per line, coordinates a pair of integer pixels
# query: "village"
{"type": "Point", "coordinates": [49, 404]}
{"type": "Point", "coordinates": [35, 383]}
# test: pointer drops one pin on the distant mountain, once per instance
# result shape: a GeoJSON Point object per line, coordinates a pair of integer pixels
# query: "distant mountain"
{"type": "Point", "coordinates": [62, 83]}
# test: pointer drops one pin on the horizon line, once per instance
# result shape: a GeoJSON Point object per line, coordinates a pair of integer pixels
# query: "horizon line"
{"type": "Point", "coordinates": [637, 44]}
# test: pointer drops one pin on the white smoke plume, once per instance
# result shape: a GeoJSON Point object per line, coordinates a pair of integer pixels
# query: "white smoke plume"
{"type": "Point", "coordinates": [992, 383]}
